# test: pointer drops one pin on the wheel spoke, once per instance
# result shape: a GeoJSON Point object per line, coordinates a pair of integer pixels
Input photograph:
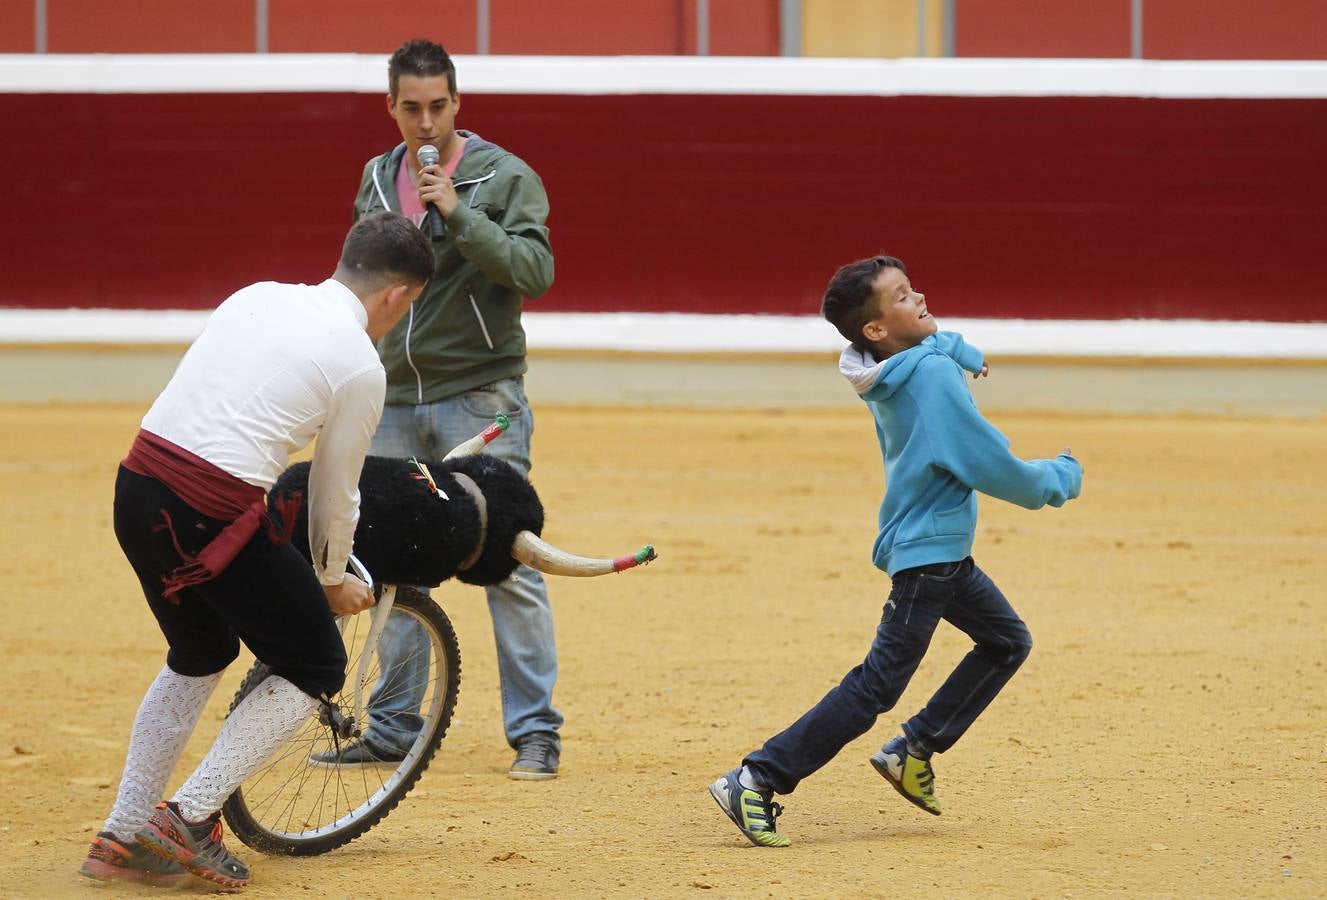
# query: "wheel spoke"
{"type": "Point", "coordinates": [292, 804]}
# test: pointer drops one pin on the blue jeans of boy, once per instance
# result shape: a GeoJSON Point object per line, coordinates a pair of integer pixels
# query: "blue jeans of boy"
{"type": "Point", "coordinates": [522, 618]}
{"type": "Point", "coordinates": [962, 595]}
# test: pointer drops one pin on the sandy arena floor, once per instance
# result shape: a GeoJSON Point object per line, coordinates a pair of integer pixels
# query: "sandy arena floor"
{"type": "Point", "coordinates": [1168, 736]}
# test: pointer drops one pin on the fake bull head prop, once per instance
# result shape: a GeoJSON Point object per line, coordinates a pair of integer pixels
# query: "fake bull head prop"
{"type": "Point", "coordinates": [470, 516]}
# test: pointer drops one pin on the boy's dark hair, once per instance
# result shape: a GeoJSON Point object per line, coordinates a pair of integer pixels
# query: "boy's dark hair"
{"type": "Point", "coordinates": [423, 59]}
{"type": "Point", "coordinates": [847, 304]}
{"type": "Point", "coordinates": [385, 246]}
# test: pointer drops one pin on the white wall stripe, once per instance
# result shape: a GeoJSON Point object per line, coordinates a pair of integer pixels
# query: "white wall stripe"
{"type": "Point", "coordinates": [688, 333]}
{"type": "Point", "coordinates": [364, 73]}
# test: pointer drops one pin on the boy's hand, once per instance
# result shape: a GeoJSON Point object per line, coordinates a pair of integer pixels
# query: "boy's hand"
{"type": "Point", "coordinates": [1067, 451]}
{"type": "Point", "coordinates": [349, 597]}
{"type": "Point", "coordinates": [985, 371]}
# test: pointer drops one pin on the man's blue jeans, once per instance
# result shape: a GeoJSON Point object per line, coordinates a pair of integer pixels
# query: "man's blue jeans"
{"type": "Point", "coordinates": [962, 595]}
{"type": "Point", "coordinates": [522, 618]}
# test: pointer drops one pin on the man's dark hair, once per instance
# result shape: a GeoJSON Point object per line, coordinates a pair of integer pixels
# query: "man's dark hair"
{"type": "Point", "coordinates": [386, 247]}
{"type": "Point", "coordinates": [423, 59]}
{"type": "Point", "coordinates": [848, 303]}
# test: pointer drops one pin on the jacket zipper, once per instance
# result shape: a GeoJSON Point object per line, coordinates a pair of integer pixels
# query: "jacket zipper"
{"type": "Point", "coordinates": [410, 313]}
{"type": "Point", "coordinates": [419, 379]}
{"type": "Point", "coordinates": [382, 195]}
{"type": "Point", "coordinates": [482, 327]}
{"type": "Point", "coordinates": [410, 321]}
{"type": "Point", "coordinates": [471, 181]}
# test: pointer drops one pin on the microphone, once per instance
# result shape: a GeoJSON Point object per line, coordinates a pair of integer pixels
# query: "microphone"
{"type": "Point", "coordinates": [428, 156]}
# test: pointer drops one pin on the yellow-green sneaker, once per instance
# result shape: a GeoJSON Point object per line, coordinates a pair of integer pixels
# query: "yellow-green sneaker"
{"type": "Point", "coordinates": [753, 812]}
{"type": "Point", "coordinates": [911, 776]}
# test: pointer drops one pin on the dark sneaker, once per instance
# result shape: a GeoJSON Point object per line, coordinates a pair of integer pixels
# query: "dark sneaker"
{"type": "Point", "coordinates": [911, 776]}
{"type": "Point", "coordinates": [753, 812]}
{"type": "Point", "coordinates": [111, 859]}
{"type": "Point", "coordinates": [196, 846]}
{"type": "Point", "coordinates": [536, 757]}
{"type": "Point", "coordinates": [356, 755]}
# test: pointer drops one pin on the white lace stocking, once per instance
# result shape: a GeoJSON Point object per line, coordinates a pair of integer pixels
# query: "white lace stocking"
{"type": "Point", "coordinates": [166, 717]}
{"type": "Point", "coordinates": [268, 717]}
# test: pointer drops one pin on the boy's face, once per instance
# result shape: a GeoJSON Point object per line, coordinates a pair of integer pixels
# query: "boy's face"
{"type": "Point", "coordinates": [901, 319]}
{"type": "Point", "coordinates": [425, 110]}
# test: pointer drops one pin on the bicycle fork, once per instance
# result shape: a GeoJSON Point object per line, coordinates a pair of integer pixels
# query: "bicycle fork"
{"type": "Point", "coordinates": [345, 727]}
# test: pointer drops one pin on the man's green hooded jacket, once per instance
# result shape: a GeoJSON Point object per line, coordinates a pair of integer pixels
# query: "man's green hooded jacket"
{"type": "Point", "coordinates": [465, 330]}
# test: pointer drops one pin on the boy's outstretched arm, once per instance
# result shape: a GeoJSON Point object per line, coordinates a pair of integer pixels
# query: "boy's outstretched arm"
{"type": "Point", "coordinates": [951, 344]}
{"type": "Point", "coordinates": [977, 454]}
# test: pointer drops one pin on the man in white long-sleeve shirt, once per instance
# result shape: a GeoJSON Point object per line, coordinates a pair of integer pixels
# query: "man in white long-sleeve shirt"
{"type": "Point", "coordinates": [276, 365]}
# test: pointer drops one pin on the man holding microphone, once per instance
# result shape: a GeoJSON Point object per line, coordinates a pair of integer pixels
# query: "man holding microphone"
{"type": "Point", "coordinates": [454, 363]}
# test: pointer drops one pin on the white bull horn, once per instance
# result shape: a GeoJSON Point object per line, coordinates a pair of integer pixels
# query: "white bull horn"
{"type": "Point", "coordinates": [537, 553]}
{"type": "Point", "coordinates": [474, 445]}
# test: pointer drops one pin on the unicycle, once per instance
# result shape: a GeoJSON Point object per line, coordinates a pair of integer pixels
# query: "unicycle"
{"type": "Point", "coordinates": [296, 806]}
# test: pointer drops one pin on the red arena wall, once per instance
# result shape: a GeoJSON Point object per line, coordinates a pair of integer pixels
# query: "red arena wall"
{"type": "Point", "coordinates": [367, 26]}
{"type": "Point", "coordinates": [1040, 207]}
{"type": "Point", "coordinates": [1043, 28]}
{"type": "Point", "coordinates": [1166, 29]}
{"type": "Point", "coordinates": [95, 26]}
{"type": "Point", "coordinates": [1235, 29]}
{"type": "Point", "coordinates": [17, 26]}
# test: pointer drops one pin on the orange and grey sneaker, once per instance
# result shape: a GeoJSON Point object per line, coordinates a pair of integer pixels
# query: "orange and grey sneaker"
{"type": "Point", "coordinates": [111, 859]}
{"type": "Point", "coordinates": [752, 811]}
{"type": "Point", "coordinates": [195, 845]}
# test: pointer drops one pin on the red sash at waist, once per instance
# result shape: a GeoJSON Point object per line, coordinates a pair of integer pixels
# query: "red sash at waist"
{"type": "Point", "coordinates": [216, 494]}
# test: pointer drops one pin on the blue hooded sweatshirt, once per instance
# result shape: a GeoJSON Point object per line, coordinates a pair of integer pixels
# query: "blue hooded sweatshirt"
{"type": "Point", "coordinates": [939, 452]}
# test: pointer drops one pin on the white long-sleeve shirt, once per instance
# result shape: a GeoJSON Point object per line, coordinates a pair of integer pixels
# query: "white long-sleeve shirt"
{"type": "Point", "coordinates": [276, 365]}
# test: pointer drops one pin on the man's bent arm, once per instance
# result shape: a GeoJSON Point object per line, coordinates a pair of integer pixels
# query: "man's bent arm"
{"type": "Point", "coordinates": [514, 251]}
{"type": "Point", "coordinates": [334, 474]}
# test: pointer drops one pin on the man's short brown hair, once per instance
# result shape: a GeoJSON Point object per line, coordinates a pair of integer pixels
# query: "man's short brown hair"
{"type": "Point", "coordinates": [423, 59]}
{"type": "Point", "coordinates": [385, 246]}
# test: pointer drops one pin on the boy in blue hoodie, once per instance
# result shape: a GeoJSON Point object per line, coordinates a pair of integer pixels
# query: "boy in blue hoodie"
{"type": "Point", "coordinates": [939, 452]}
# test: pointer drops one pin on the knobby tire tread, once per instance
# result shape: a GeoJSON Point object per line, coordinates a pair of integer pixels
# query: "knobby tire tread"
{"type": "Point", "coordinates": [252, 834]}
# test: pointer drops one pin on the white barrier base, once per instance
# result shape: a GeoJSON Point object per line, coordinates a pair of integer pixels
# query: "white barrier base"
{"type": "Point", "coordinates": [688, 333]}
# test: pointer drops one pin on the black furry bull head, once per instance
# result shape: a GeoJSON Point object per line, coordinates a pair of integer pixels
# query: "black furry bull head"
{"type": "Point", "coordinates": [473, 517]}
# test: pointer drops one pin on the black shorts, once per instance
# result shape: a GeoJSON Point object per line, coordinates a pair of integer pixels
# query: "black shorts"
{"type": "Point", "coordinates": [267, 597]}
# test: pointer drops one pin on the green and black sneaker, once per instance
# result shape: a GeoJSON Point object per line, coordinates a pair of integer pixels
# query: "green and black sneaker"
{"type": "Point", "coordinates": [753, 812]}
{"type": "Point", "coordinates": [911, 775]}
